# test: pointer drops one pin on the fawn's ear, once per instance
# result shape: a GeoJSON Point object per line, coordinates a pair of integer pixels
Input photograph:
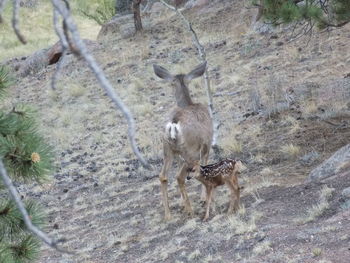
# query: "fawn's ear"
{"type": "Point", "coordinates": [162, 73]}
{"type": "Point", "coordinates": [196, 72]}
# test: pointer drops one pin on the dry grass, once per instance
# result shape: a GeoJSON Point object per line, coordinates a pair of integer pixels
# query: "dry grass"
{"type": "Point", "coordinates": [231, 145]}
{"type": "Point", "coordinates": [309, 108]}
{"type": "Point", "coordinates": [76, 90]}
{"type": "Point", "coordinates": [262, 248]}
{"type": "Point", "coordinates": [318, 209]}
{"type": "Point", "coordinates": [241, 225]}
{"type": "Point", "coordinates": [290, 150]}
{"type": "Point", "coordinates": [194, 255]}
{"type": "Point", "coordinates": [36, 26]}
{"type": "Point", "coordinates": [316, 252]}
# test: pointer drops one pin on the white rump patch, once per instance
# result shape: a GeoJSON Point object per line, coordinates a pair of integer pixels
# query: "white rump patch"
{"type": "Point", "coordinates": [173, 130]}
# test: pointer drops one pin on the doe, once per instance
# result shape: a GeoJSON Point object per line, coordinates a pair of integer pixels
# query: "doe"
{"type": "Point", "coordinates": [188, 133]}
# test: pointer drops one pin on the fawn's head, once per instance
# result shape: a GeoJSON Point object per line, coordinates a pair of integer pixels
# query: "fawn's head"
{"type": "Point", "coordinates": [195, 168]}
{"type": "Point", "coordinates": [238, 167]}
{"type": "Point", "coordinates": [180, 82]}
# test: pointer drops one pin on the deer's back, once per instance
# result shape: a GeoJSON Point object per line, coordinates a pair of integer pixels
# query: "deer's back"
{"type": "Point", "coordinates": [196, 126]}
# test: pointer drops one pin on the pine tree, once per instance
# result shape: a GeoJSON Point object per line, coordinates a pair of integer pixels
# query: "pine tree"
{"type": "Point", "coordinates": [323, 13]}
{"type": "Point", "coordinates": [26, 158]}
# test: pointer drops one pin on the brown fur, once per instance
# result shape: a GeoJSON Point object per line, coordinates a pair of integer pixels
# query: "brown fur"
{"type": "Point", "coordinates": [195, 134]}
{"type": "Point", "coordinates": [220, 173]}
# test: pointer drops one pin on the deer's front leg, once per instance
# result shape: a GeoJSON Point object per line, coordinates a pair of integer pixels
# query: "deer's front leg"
{"type": "Point", "coordinates": [181, 181]}
{"type": "Point", "coordinates": [234, 195]}
{"type": "Point", "coordinates": [168, 159]}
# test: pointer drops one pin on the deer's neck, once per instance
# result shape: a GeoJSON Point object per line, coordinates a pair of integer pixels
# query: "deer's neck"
{"type": "Point", "coordinates": [182, 95]}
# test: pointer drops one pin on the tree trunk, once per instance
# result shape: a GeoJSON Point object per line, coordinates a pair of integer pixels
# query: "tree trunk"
{"type": "Point", "coordinates": [137, 14]}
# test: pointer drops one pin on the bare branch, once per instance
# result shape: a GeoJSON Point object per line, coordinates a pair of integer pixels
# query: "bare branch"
{"type": "Point", "coordinates": [80, 45]}
{"type": "Point", "coordinates": [2, 6]}
{"type": "Point", "coordinates": [15, 22]}
{"type": "Point", "coordinates": [58, 30]}
{"type": "Point", "coordinates": [64, 45]}
{"type": "Point", "coordinates": [58, 68]}
{"type": "Point", "coordinates": [135, 7]}
{"type": "Point", "coordinates": [32, 228]}
{"type": "Point", "coordinates": [202, 55]}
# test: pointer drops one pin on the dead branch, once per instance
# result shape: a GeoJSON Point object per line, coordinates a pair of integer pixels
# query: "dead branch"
{"type": "Point", "coordinates": [100, 76]}
{"type": "Point", "coordinates": [135, 7]}
{"type": "Point", "coordinates": [32, 228]}
{"type": "Point", "coordinates": [64, 45]}
{"type": "Point", "coordinates": [15, 22]}
{"type": "Point", "coordinates": [202, 56]}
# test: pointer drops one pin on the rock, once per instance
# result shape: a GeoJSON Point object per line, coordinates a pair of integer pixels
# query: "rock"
{"type": "Point", "coordinates": [113, 27]}
{"type": "Point", "coordinates": [346, 192]}
{"type": "Point", "coordinates": [262, 28]}
{"type": "Point", "coordinates": [120, 27]}
{"type": "Point", "coordinates": [309, 158]}
{"type": "Point", "coordinates": [196, 3]}
{"type": "Point", "coordinates": [44, 57]}
{"type": "Point", "coordinates": [338, 162]}
{"type": "Point", "coordinates": [127, 30]}
{"type": "Point", "coordinates": [123, 7]}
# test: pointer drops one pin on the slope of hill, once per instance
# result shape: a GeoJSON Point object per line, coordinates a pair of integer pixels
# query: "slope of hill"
{"type": "Point", "coordinates": [282, 107]}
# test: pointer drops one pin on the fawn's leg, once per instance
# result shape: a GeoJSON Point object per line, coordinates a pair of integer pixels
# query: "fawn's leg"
{"type": "Point", "coordinates": [234, 194]}
{"type": "Point", "coordinates": [168, 159]}
{"type": "Point", "coordinates": [182, 174]}
{"type": "Point", "coordinates": [209, 191]}
{"type": "Point", "coordinates": [204, 161]}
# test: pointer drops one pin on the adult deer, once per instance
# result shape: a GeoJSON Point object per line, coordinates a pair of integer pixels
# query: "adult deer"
{"type": "Point", "coordinates": [188, 133]}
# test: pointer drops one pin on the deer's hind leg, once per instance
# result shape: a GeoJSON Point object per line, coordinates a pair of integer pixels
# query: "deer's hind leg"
{"type": "Point", "coordinates": [204, 155]}
{"type": "Point", "coordinates": [182, 174]}
{"type": "Point", "coordinates": [232, 183]}
{"type": "Point", "coordinates": [163, 178]}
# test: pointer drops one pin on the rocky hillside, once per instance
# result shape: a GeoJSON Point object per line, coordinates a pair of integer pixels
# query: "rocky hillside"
{"type": "Point", "coordinates": [281, 104]}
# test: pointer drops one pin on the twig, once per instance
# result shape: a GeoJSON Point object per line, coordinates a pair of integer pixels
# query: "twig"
{"type": "Point", "coordinates": [15, 22]}
{"type": "Point", "coordinates": [100, 76]}
{"type": "Point", "coordinates": [58, 68]}
{"type": "Point", "coordinates": [32, 228]}
{"type": "Point", "coordinates": [2, 6]}
{"type": "Point", "coordinates": [202, 56]}
{"type": "Point", "coordinates": [64, 45]}
{"type": "Point", "coordinates": [218, 94]}
{"type": "Point", "coordinates": [63, 40]}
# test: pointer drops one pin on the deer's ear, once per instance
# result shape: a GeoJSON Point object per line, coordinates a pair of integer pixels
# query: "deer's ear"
{"type": "Point", "coordinates": [162, 73]}
{"type": "Point", "coordinates": [197, 71]}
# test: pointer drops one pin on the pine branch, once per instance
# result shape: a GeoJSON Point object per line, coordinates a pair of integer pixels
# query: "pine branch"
{"type": "Point", "coordinates": [202, 56]}
{"type": "Point", "coordinates": [32, 228]}
{"type": "Point", "coordinates": [100, 76]}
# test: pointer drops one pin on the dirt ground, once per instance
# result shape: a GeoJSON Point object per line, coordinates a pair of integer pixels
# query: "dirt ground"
{"type": "Point", "coordinates": [281, 106]}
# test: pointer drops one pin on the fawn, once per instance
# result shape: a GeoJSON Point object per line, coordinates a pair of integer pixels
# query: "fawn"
{"type": "Point", "coordinates": [214, 175]}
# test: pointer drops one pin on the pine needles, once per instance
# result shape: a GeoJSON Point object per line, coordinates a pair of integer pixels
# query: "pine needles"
{"type": "Point", "coordinates": [27, 158]}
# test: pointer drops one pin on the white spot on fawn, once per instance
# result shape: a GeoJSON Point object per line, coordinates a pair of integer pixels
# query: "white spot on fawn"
{"type": "Point", "coordinates": [173, 129]}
